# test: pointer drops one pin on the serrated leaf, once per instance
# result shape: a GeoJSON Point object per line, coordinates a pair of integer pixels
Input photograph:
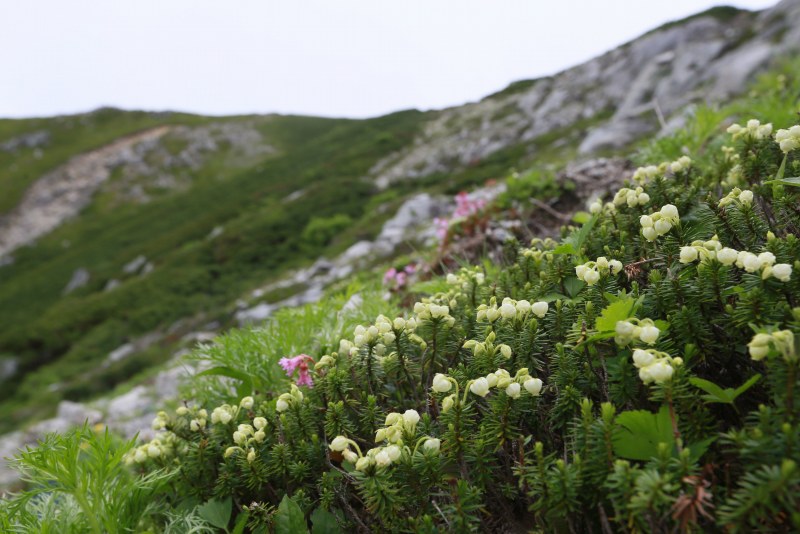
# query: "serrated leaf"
{"type": "Point", "coordinates": [324, 522]}
{"type": "Point", "coordinates": [218, 513]}
{"type": "Point", "coordinates": [616, 311]}
{"type": "Point", "coordinates": [639, 433]}
{"type": "Point", "coordinates": [289, 518]}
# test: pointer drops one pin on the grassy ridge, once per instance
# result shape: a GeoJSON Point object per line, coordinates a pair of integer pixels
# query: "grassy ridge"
{"type": "Point", "coordinates": [60, 339]}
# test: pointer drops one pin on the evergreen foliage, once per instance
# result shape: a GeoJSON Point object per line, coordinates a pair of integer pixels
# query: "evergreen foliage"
{"type": "Point", "coordinates": [640, 375]}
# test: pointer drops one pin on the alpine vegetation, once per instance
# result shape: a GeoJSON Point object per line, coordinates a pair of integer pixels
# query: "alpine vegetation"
{"type": "Point", "coordinates": [642, 374]}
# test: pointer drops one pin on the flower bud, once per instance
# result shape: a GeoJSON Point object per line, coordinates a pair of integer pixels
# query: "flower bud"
{"type": "Point", "coordinates": [782, 271]}
{"type": "Point", "coordinates": [350, 456]}
{"type": "Point", "coordinates": [339, 443]}
{"type": "Point", "coordinates": [727, 256]}
{"type": "Point", "coordinates": [480, 387]}
{"type": "Point", "coordinates": [411, 417]}
{"type": "Point", "coordinates": [649, 334]}
{"type": "Point", "coordinates": [513, 390]}
{"type": "Point", "coordinates": [591, 277]}
{"type": "Point", "coordinates": [441, 384]}
{"type": "Point", "coordinates": [662, 226]}
{"type": "Point", "coordinates": [247, 403]}
{"type": "Point", "coordinates": [505, 350]}
{"type": "Point", "coordinates": [533, 386]}
{"type": "Point", "coordinates": [432, 444]}
{"type": "Point", "coordinates": [540, 308]}
{"type": "Point", "coordinates": [688, 254]}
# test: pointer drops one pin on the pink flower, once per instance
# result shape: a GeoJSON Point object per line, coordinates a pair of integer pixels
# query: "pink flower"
{"type": "Point", "coordinates": [389, 276]}
{"type": "Point", "coordinates": [299, 363]}
{"type": "Point", "coordinates": [410, 268]}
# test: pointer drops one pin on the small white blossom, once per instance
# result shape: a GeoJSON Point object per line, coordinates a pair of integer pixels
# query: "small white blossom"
{"type": "Point", "coordinates": [480, 387]}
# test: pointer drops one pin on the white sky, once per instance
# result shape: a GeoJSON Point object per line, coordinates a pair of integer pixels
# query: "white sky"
{"type": "Point", "coordinates": [353, 58]}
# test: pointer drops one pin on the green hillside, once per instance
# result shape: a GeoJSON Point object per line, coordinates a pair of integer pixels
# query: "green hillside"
{"type": "Point", "coordinates": [62, 338]}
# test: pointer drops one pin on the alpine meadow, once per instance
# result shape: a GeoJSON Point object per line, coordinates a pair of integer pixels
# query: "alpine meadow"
{"type": "Point", "coordinates": [572, 306]}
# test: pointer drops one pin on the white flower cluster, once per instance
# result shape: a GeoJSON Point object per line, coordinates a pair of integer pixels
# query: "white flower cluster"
{"type": "Point", "coordinates": [782, 341]}
{"type": "Point", "coordinates": [510, 309]}
{"type": "Point", "coordinates": [681, 164]}
{"type": "Point", "coordinates": [789, 139]}
{"type": "Point", "coordinates": [224, 414]}
{"type": "Point", "coordinates": [597, 206]}
{"type": "Point", "coordinates": [397, 426]}
{"type": "Point", "coordinates": [378, 335]}
{"type": "Point", "coordinates": [199, 418]}
{"type": "Point", "coordinates": [161, 447]}
{"type": "Point", "coordinates": [654, 366]}
{"type": "Point", "coordinates": [729, 153]}
{"type": "Point", "coordinates": [643, 175]}
{"type": "Point", "coordinates": [429, 311]}
{"type": "Point", "coordinates": [487, 347]}
{"type": "Point", "coordinates": [287, 399]}
{"type": "Point", "coordinates": [752, 131]}
{"type": "Point", "coordinates": [466, 278]}
{"type": "Point", "coordinates": [743, 197]}
{"type": "Point", "coordinates": [502, 380]}
{"type": "Point", "coordinates": [631, 329]}
{"type": "Point", "coordinates": [659, 223]}
{"type": "Point", "coordinates": [631, 197]}
{"type": "Point", "coordinates": [590, 271]}
{"type": "Point", "coordinates": [750, 262]}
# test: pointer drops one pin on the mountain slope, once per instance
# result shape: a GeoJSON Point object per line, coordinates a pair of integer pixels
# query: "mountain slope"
{"type": "Point", "coordinates": [160, 221]}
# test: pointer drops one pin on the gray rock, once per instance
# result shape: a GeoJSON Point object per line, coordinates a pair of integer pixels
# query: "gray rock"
{"type": "Point", "coordinates": [8, 367]}
{"type": "Point", "coordinates": [29, 140]}
{"type": "Point", "coordinates": [134, 265]}
{"type": "Point", "coordinates": [643, 84]}
{"type": "Point", "coordinates": [79, 279]}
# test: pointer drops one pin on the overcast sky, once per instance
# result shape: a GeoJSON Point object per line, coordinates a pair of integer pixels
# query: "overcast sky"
{"type": "Point", "coordinates": [353, 58]}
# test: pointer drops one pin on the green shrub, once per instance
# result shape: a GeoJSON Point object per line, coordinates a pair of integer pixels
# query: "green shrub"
{"type": "Point", "coordinates": [321, 230]}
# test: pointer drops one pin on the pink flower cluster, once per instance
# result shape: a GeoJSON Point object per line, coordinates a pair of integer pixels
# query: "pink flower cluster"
{"type": "Point", "coordinates": [465, 208]}
{"type": "Point", "coordinates": [299, 363]}
{"type": "Point", "coordinates": [397, 279]}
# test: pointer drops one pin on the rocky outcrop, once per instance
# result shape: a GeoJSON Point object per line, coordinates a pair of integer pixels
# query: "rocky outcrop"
{"type": "Point", "coordinates": [161, 158]}
{"type": "Point", "coordinates": [64, 192]}
{"type": "Point", "coordinates": [623, 94]}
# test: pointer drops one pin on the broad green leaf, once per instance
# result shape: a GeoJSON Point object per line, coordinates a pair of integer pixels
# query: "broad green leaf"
{"type": "Point", "coordinates": [289, 518]}
{"type": "Point", "coordinates": [573, 286]}
{"type": "Point", "coordinates": [218, 513]}
{"type": "Point", "coordinates": [324, 522]}
{"type": "Point", "coordinates": [573, 243]}
{"type": "Point", "coordinates": [230, 373]}
{"type": "Point", "coordinates": [639, 433]}
{"type": "Point", "coordinates": [698, 449]}
{"type": "Point", "coordinates": [241, 523]}
{"type": "Point", "coordinates": [616, 311]}
{"type": "Point", "coordinates": [565, 248]}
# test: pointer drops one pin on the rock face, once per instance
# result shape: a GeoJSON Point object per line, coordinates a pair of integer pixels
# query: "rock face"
{"type": "Point", "coordinates": [64, 192]}
{"type": "Point", "coordinates": [629, 91]}
{"type": "Point", "coordinates": [139, 162]}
